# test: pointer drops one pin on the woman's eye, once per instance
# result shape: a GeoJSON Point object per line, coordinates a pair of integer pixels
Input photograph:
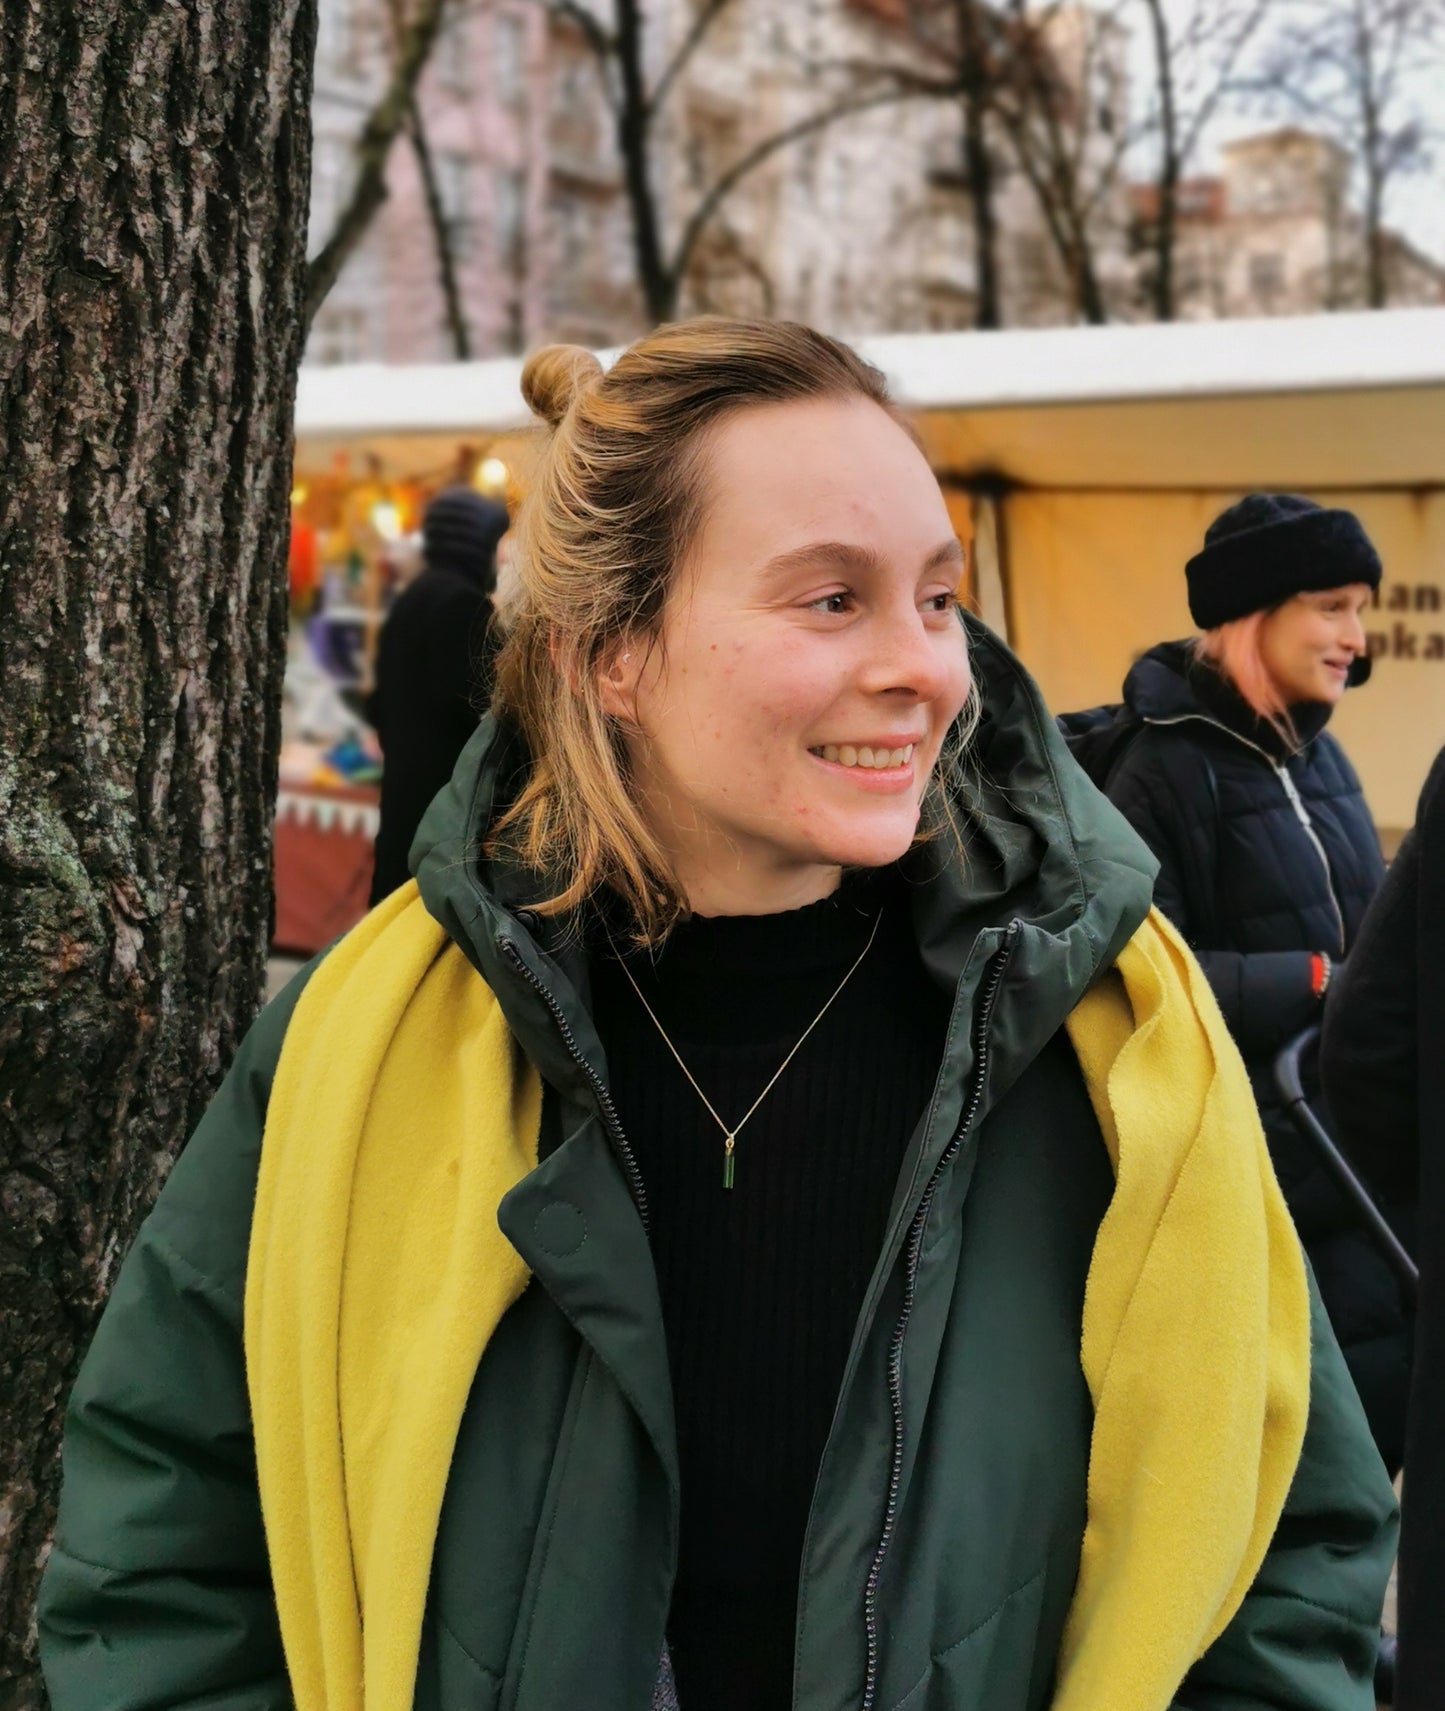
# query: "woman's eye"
{"type": "Point", "coordinates": [835, 603]}
{"type": "Point", "coordinates": [940, 602]}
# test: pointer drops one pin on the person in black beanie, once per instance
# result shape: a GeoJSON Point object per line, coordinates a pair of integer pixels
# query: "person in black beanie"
{"type": "Point", "coordinates": [1268, 856]}
{"type": "Point", "coordinates": [431, 669]}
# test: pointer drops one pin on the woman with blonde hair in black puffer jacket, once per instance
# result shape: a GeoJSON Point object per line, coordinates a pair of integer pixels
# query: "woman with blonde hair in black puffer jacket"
{"type": "Point", "coordinates": [1268, 856]}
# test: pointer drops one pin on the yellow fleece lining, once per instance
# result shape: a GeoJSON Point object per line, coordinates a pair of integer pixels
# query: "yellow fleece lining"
{"type": "Point", "coordinates": [401, 1114]}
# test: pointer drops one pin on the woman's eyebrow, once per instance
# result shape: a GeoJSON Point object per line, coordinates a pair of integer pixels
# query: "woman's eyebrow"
{"type": "Point", "coordinates": [945, 553]}
{"type": "Point", "coordinates": [846, 555]}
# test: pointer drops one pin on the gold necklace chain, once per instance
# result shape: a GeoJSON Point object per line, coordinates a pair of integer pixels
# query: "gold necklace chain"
{"type": "Point", "coordinates": [730, 1135]}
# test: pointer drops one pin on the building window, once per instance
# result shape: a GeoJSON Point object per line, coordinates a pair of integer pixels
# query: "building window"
{"type": "Point", "coordinates": [1266, 275]}
{"type": "Point", "coordinates": [713, 142]}
{"type": "Point", "coordinates": [454, 191]}
{"type": "Point", "coordinates": [340, 43]}
{"type": "Point", "coordinates": [571, 229]}
{"type": "Point", "coordinates": [331, 169]}
{"type": "Point", "coordinates": [509, 51]}
{"type": "Point", "coordinates": [338, 334]}
{"type": "Point", "coordinates": [725, 30]}
{"type": "Point", "coordinates": [453, 50]}
{"type": "Point", "coordinates": [510, 190]}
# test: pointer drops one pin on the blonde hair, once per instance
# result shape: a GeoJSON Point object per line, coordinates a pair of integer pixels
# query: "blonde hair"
{"type": "Point", "coordinates": [614, 509]}
{"type": "Point", "coordinates": [1235, 652]}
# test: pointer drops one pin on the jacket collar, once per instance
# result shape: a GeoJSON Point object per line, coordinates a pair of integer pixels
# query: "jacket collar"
{"type": "Point", "coordinates": [1040, 846]}
{"type": "Point", "coordinates": [1169, 684]}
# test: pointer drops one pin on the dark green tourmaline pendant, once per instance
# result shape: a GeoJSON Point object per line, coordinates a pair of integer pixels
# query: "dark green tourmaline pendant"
{"type": "Point", "coordinates": [728, 1162]}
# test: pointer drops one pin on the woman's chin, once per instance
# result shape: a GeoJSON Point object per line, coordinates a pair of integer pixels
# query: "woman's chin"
{"type": "Point", "coordinates": [870, 846]}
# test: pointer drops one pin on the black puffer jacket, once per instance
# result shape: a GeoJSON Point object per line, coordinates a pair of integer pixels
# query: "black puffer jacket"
{"type": "Point", "coordinates": [1384, 1067]}
{"type": "Point", "coordinates": [1266, 856]}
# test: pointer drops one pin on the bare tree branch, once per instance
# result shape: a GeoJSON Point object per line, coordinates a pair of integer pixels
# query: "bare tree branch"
{"type": "Point", "coordinates": [1344, 64]}
{"type": "Point", "coordinates": [1224, 82]}
{"type": "Point", "coordinates": [689, 45]}
{"type": "Point", "coordinates": [414, 45]}
{"type": "Point", "coordinates": [442, 233]}
{"type": "Point", "coordinates": [754, 157]}
{"type": "Point", "coordinates": [588, 23]}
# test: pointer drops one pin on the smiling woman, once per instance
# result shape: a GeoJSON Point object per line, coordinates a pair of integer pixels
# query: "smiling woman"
{"type": "Point", "coordinates": [1267, 853]}
{"type": "Point", "coordinates": [679, 1272]}
{"type": "Point", "coordinates": [801, 560]}
{"type": "Point", "coordinates": [768, 659]}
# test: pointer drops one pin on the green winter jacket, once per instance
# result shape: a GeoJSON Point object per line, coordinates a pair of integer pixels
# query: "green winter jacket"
{"type": "Point", "coordinates": [943, 1543]}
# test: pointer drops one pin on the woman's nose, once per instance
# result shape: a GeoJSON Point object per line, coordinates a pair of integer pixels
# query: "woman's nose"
{"type": "Point", "coordinates": [915, 658]}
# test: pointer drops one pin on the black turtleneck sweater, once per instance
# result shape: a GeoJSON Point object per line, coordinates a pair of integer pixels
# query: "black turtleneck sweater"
{"type": "Point", "coordinates": [761, 1285]}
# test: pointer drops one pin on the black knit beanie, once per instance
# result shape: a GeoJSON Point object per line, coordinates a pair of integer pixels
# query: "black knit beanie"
{"type": "Point", "coordinates": [460, 531]}
{"type": "Point", "coordinates": [1271, 546]}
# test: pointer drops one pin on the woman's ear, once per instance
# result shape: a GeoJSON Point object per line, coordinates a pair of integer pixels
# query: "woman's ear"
{"type": "Point", "coordinates": [618, 672]}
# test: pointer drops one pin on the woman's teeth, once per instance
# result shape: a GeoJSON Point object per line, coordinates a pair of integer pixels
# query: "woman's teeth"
{"type": "Point", "coordinates": [844, 754]}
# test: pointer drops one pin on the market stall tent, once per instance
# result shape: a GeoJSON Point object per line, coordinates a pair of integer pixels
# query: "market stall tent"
{"type": "Point", "coordinates": [1086, 462]}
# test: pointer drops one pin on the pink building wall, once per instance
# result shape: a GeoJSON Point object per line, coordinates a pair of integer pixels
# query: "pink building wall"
{"type": "Point", "coordinates": [483, 100]}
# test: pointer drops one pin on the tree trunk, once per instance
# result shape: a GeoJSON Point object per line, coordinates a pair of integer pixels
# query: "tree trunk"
{"type": "Point", "coordinates": [1376, 286]}
{"type": "Point", "coordinates": [154, 164]}
{"type": "Point", "coordinates": [1088, 293]}
{"type": "Point", "coordinates": [1166, 214]}
{"type": "Point", "coordinates": [978, 164]}
{"type": "Point", "coordinates": [659, 283]}
{"type": "Point", "coordinates": [1372, 151]}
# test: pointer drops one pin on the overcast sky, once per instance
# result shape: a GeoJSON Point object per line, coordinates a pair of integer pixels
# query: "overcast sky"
{"type": "Point", "coordinates": [1415, 201]}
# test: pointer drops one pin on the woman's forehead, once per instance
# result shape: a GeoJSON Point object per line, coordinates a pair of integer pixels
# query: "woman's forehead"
{"type": "Point", "coordinates": [781, 476]}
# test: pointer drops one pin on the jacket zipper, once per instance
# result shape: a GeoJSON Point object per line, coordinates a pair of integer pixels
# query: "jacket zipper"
{"type": "Point", "coordinates": [914, 1251]}
{"type": "Point", "coordinates": [1296, 801]}
{"type": "Point", "coordinates": [611, 1122]}
{"type": "Point", "coordinates": [1303, 814]}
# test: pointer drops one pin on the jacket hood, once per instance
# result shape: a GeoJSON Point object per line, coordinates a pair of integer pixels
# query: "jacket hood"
{"type": "Point", "coordinates": [1046, 860]}
{"type": "Point", "coordinates": [1160, 684]}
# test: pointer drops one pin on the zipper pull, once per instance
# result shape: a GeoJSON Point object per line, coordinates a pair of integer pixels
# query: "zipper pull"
{"type": "Point", "coordinates": [1302, 814]}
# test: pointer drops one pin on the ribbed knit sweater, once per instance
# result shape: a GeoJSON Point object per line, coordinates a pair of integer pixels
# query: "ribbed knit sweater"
{"type": "Point", "coordinates": [761, 1284]}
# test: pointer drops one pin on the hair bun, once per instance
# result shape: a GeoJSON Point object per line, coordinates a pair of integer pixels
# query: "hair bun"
{"type": "Point", "coordinates": [554, 377]}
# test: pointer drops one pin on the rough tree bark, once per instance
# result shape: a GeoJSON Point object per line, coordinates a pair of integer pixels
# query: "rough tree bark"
{"type": "Point", "coordinates": [154, 165]}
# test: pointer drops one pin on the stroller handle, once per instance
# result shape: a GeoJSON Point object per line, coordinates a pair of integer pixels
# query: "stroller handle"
{"type": "Point", "coordinates": [1289, 1078]}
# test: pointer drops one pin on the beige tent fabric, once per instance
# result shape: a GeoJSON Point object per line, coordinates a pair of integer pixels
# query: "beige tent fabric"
{"type": "Point", "coordinates": [1095, 578]}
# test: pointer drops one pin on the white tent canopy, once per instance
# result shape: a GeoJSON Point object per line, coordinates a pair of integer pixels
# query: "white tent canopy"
{"type": "Point", "coordinates": [1350, 400]}
{"type": "Point", "coordinates": [1087, 463]}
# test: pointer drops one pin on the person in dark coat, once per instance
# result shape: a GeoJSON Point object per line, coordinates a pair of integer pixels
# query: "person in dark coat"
{"type": "Point", "coordinates": [1384, 1034]}
{"type": "Point", "coordinates": [1268, 856]}
{"type": "Point", "coordinates": [431, 668]}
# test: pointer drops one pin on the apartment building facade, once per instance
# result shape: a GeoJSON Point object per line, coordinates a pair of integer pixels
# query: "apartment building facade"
{"type": "Point", "coordinates": [861, 218]}
{"type": "Point", "coordinates": [1275, 232]}
{"type": "Point", "coordinates": [484, 108]}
